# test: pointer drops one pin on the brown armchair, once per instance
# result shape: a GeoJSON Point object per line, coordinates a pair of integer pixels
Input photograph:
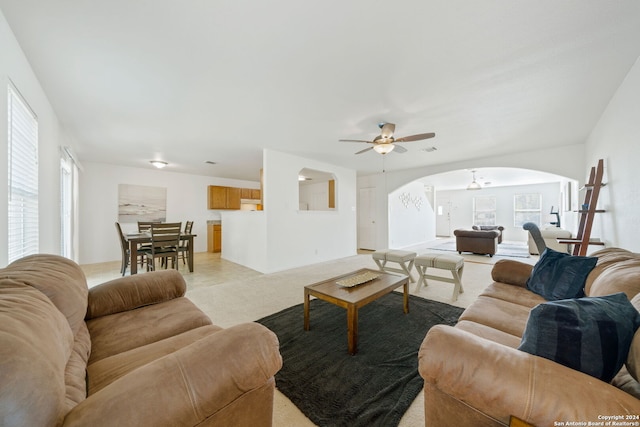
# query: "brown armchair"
{"type": "Point", "coordinates": [490, 227]}
{"type": "Point", "coordinates": [477, 241]}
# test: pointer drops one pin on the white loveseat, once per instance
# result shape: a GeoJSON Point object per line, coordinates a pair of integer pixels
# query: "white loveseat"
{"type": "Point", "coordinates": [550, 233]}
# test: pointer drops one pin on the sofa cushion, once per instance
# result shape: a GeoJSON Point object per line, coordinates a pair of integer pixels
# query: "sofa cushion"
{"type": "Point", "coordinates": [558, 275]}
{"type": "Point", "coordinates": [120, 295]}
{"type": "Point", "coordinates": [606, 258]}
{"type": "Point", "coordinates": [590, 334]}
{"type": "Point", "coordinates": [59, 278]}
{"type": "Point", "coordinates": [75, 373]}
{"type": "Point", "coordinates": [499, 314]}
{"type": "Point", "coordinates": [623, 276]}
{"type": "Point", "coordinates": [514, 294]}
{"type": "Point", "coordinates": [633, 360]}
{"type": "Point", "coordinates": [124, 331]}
{"type": "Point", "coordinates": [35, 344]}
{"type": "Point", "coordinates": [107, 370]}
{"type": "Point", "coordinates": [489, 333]}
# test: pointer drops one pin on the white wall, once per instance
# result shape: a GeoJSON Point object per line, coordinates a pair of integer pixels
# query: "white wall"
{"type": "Point", "coordinates": [616, 140]}
{"type": "Point", "coordinates": [564, 161]}
{"type": "Point", "coordinates": [15, 67]}
{"type": "Point", "coordinates": [244, 238]}
{"type": "Point", "coordinates": [293, 237]}
{"type": "Point", "coordinates": [98, 205]}
{"type": "Point", "coordinates": [462, 206]}
{"type": "Point", "coordinates": [412, 216]}
{"type": "Point", "coordinates": [296, 238]}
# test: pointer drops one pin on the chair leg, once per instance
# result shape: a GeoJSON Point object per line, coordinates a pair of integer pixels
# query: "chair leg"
{"type": "Point", "coordinates": [124, 264]}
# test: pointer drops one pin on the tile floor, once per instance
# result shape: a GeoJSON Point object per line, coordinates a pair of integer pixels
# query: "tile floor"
{"type": "Point", "coordinates": [209, 270]}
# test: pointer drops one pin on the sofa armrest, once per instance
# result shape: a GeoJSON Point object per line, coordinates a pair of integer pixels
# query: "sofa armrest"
{"type": "Point", "coordinates": [486, 234]}
{"type": "Point", "coordinates": [500, 381]}
{"type": "Point", "coordinates": [188, 386]}
{"type": "Point", "coordinates": [131, 292]}
{"type": "Point", "coordinates": [511, 272]}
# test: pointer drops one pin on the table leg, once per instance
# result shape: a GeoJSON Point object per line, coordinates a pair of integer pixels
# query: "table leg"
{"type": "Point", "coordinates": [190, 256]}
{"type": "Point", "coordinates": [352, 328]}
{"type": "Point", "coordinates": [133, 250]}
{"type": "Point", "coordinates": [306, 310]}
{"type": "Point", "coordinates": [406, 297]}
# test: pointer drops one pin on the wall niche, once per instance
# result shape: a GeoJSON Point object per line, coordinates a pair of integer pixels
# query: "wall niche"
{"type": "Point", "coordinates": [316, 190]}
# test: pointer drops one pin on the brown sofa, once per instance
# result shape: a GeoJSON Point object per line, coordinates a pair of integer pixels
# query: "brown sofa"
{"type": "Point", "coordinates": [483, 242]}
{"type": "Point", "coordinates": [474, 374]}
{"type": "Point", "coordinates": [490, 227]}
{"type": "Point", "coordinates": [130, 352]}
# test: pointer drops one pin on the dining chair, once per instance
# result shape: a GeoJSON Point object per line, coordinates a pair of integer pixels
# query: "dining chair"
{"type": "Point", "coordinates": [126, 254]}
{"type": "Point", "coordinates": [165, 238]}
{"type": "Point", "coordinates": [183, 248]}
{"type": "Point", "coordinates": [145, 226]}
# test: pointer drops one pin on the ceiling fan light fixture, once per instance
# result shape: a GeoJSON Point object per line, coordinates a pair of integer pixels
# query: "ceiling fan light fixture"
{"type": "Point", "coordinates": [474, 184]}
{"type": "Point", "coordinates": [158, 163]}
{"type": "Point", "coordinates": [384, 148]}
{"type": "Point", "coordinates": [385, 142]}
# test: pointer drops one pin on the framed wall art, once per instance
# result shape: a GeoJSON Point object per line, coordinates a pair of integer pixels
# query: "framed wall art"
{"type": "Point", "coordinates": [141, 203]}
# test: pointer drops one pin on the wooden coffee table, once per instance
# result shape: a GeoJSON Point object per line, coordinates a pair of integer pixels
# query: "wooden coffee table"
{"type": "Point", "coordinates": [352, 298]}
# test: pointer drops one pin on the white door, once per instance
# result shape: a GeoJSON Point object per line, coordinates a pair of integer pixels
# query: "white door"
{"type": "Point", "coordinates": [443, 217]}
{"type": "Point", "coordinates": [367, 218]}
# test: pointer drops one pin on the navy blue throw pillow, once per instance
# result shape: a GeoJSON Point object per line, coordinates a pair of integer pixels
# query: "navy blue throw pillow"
{"type": "Point", "coordinates": [558, 275]}
{"type": "Point", "coordinates": [592, 334]}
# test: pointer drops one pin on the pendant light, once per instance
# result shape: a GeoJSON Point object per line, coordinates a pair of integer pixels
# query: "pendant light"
{"type": "Point", "coordinates": [158, 163]}
{"type": "Point", "coordinates": [474, 184]}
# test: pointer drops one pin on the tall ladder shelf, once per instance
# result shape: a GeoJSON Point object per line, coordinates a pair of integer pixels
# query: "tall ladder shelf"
{"type": "Point", "coordinates": [587, 212]}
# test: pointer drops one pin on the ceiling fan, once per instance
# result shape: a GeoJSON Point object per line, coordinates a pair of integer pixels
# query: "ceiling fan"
{"type": "Point", "coordinates": [385, 142]}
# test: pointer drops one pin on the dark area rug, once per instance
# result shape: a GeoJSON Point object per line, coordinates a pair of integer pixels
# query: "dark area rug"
{"type": "Point", "coordinates": [372, 388]}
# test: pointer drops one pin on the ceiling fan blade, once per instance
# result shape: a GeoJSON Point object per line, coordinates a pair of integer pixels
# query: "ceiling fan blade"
{"type": "Point", "coordinates": [399, 149]}
{"type": "Point", "coordinates": [417, 137]}
{"type": "Point", "coordinates": [366, 149]}
{"type": "Point", "coordinates": [387, 130]}
{"type": "Point", "coordinates": [354, 140]}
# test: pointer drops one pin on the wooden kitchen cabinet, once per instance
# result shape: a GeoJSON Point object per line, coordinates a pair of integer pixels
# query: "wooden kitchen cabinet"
{"type": "Point", "coordinates": [219, 197]}
{"type": "Point", "coordinates": [250, 193]}
{"type": "Point", "coordinates": [233, 197]}
{"type": "Point", "coordinates": [214, 238]}
{"type": "Point", "coordinates": [245, 193]}
{"type": "Point", "coordinates": [217, 238]}
{"type": "Point", "coordinates": [332, 193]}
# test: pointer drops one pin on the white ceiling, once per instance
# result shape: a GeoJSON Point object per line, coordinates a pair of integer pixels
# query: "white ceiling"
{"type": "Point", "coordinates": [197, 80]}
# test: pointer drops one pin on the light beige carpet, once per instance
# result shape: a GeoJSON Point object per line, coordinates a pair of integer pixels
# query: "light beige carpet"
{"type": "Point", "coordinates": [251, 298]}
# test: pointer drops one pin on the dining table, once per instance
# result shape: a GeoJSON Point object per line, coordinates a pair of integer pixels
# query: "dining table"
{"type": "Point", "coordinates": [135, 239]}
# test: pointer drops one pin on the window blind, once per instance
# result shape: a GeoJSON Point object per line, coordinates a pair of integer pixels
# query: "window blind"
{"type": "Point", "coordinates": [23, 178]}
